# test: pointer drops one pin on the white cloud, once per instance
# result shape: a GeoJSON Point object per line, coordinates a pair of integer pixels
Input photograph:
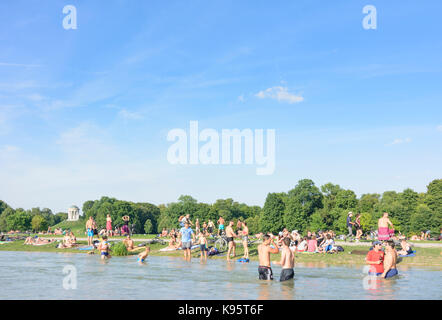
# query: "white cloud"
{"type": "Point", "coordinates": [439, 128]}
{"type": "Point", "coordinates": [400, 141]}
{"type": "Point", "coordinates": [129, 115]}
{"type": "Point", "coordinates": [241, 98]}
{"type": "Point", "coordinates": [281, 94]}
{"type": "Point", "coordinates": [7, 64]}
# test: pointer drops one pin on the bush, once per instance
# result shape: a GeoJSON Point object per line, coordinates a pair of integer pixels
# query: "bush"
{"type": "Point", "coordinates": [119, 249]}
{"type": "Point", "coordinates": [148, 227]}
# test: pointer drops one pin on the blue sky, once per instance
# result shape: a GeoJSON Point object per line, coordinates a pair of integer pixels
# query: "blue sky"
{"type": "Point", "coordinates": [86, 112]}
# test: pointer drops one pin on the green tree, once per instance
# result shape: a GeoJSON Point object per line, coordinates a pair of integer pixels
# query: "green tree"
{"type": "Point", "coordinates": [272, 213]}
{"type": "Point", "coordinates": [302, 201]}
{"type": "Point", "coordinates": [39, 223]}
{"type": "Point", "coordinates": [3, 218]}
{"type": "Point", "coordinates": [20, 220]}
{"type": "Point", "coordinates": [148, 227]}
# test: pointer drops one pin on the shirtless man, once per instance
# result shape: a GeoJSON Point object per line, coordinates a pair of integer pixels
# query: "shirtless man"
{"type": "Point", "coordinates": [89, 230]}
{"type": "Point", "coordinates": [220, 222]}
{"type": "Point", "coordinates": [383, 230]}
{"type": "Point", "coordinates": [264, 251]}
{"type": "Point", "coordinates": [287, 261]}
{"type": "Point", "coordinates": [390, 259]}
{"type": "Point", "coordinates": [231, 235]}
{"type": "Point", "coordinates": [129, 243]}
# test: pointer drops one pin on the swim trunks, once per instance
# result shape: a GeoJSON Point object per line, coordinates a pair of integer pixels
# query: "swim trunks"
{"type": "Point", "coordinates": [187, 245]}
{"type": "Point", "coordinates": [265, 273]}
{"type": "Point", "coordinates": [203, 247]}
{"type": "Point", "coordinates": [391, 273]}
{"type": "Point", "coordinates": [104, 253]}
{"type": "Point", "coordinates": [245, 238]}
{"type": "Point", "coordinates": [210, 229]}
{"type": "Point", "coordinates": [140, 260]}
{"type": "Point", "coordinates": [287, 274]}
{"type": "Point", "coordinates": [90, 232]}
{"type": "Point", "coordinates": [221, 227]}
{"type": "Point", "coordinates": [229, 239]}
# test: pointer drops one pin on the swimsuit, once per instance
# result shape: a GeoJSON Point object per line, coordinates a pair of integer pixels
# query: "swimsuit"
{"type": "Point", "coordinates": [140, 260]}
{"type": "Point", "coordinates": [203, 247]}
{"type": "Point", "coordinates": [229, 239]}
{"type": "Point", "coordinates": [287, 274]}
{"type": "Point", "coordinates": [391, 273]}
{"type": "Point", "coordinates": [245, 238]}
{"type": "Point", "coordinates": [90, 232]}
{"type": "Point", "coordinates": [265, 273]}
{"type": "Point", "coordinates": [104, 253]}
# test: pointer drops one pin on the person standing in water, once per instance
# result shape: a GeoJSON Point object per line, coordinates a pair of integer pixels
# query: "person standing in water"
{"type": "Point", "coordinates": [104, 248]}
{"type": "Point", "coordinates": [287, 261]}
{"type": "Point", "coordinates": [143, 255]}
{"type": "Point", "coordinates": [264, 250]}
{"type": "Point", "coordinates": [202, 241]}
{"type": "Point", "coordinates": [187, 236]}
{"type": "Point", "coordinates": [245, 239]}
{"type": "Point", "coordinates": [390, 259]}
{"type": "Point", "coordinates": [383, 229]}
{"type": "Point", "coordinates": [375, 258]}
{"type": "Point", "coordinates": [230, 240]}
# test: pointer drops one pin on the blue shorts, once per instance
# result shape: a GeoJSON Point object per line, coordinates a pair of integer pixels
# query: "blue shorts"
{"type": "Point", "coordinates": [374, 274]}
{"type": "Point", "coordinates": [140, 260]}
{"type": "Point", "coordinates": [90, 232]}
{"type": "Point", "coordinates": [328, 248]}
{"type": "Point", "coordinates": [221, 227]}
{"type": "Point", "coordinates": [104, 253]}
{"type": "Point", "coordinates": [391, 273]}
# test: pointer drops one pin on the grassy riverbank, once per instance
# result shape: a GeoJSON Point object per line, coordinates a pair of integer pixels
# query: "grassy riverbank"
{"type": "Point", "coordinates": [353, 255]}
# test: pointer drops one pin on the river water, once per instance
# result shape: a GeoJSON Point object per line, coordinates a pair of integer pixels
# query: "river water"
{"type": "Point", "coordinates": [36, 275]}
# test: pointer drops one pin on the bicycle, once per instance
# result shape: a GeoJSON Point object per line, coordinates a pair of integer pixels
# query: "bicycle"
{"type": "Point", "coordinates": [221, 243]}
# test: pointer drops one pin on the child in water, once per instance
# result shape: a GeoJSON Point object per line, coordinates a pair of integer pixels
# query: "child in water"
{"type": "Point", "coordinates": [104, 248]}
{"type": "Point", "coordinates": [143, 255]}
{"type": "Point", "coordinates": [202, 241]}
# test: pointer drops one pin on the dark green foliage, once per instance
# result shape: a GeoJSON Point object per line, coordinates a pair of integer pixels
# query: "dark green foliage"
{"type": "Point", "coordinates": [305, 207]}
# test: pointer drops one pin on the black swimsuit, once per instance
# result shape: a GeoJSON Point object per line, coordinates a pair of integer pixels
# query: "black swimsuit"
{"type": "Point", "coordinates": [287, 274]}
{"type": "Point", "coordinates": [265, 273]}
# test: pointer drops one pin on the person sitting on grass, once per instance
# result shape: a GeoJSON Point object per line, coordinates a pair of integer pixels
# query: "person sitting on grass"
{"type": "Point", "coordinates": [303, 245]}
{"type": "Point", "coordinates": [173, 244]}
{"type": "Point", "coordinates": [312, 244]}
{"type": "Point", "coordinates": [405, 248]}
{"type": "Point", "coordinates": [327, 244]}
{"type": "Point", "coordinates": [129, 243]}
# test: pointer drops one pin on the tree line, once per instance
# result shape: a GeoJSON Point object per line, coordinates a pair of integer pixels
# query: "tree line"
{"type": "Point", "coordinates": [305, 207]}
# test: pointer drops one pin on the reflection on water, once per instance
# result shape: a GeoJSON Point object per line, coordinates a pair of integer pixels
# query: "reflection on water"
{"type": "Point", "coordinates": [25, 275]}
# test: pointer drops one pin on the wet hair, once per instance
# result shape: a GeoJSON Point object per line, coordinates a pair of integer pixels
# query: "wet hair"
{"type": "Point", "coordinates": [286, 241]}
{"type": "Point", "coordinates": [266, 237]}
{"type": "Point", "coordinates": [391, 243]}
